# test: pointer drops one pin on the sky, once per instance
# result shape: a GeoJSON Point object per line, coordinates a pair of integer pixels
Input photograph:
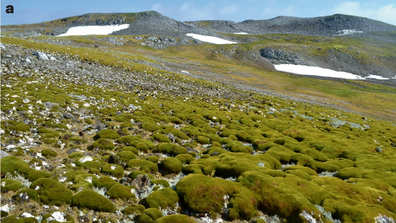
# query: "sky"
{"type": "Point", "coordinates": [35, 11]}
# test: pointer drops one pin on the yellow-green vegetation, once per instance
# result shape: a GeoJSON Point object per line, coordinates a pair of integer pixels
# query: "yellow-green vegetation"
{"type": "Point", "coordinates": [51, 191]}
{"type": "Point", "coordinates": [256, 153]}
{"type": "Point", "coordinates": [149, 215]}
{"type": "Point", "coordinates": [177, 218]}
{"type": "Point", "coordinates": [92, 200]}
{"type": "Point", "coordinates": [170, 165]}
{"type": "Point", "coordinates": [163, 198]}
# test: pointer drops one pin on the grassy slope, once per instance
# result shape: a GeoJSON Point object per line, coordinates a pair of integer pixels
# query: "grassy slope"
{"type": "Point", "coordinates": [289, 135]}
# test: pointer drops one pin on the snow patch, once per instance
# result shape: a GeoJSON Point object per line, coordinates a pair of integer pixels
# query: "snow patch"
{"type": "Point", "coordinates": [94, 30]}
{"type": "Point", "coordinates": [315, 71]}
{"type": "Point", "coordinates": [345, 32]}
{"type": "Point", "coordinates": [210, 39]}
{"type": "Point", "coordinates": [376, 77]}
{"type": "Point", "coordinates": [241, 33]}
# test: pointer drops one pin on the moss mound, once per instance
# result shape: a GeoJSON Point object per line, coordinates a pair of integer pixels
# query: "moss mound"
{"type": "Point", "coordinates": [10, 185]}
{"type": "Point", "coordinates": [149, 215]}
{"type": "Point", "coordinates": [49, 153]}
{"type": "Point", "coordinates": [92, 200]}
{"type": "Point", "coordinates": [107, 134]}
{"type": "Point", "coordinates": [143, 165]}
{"type": "Point", "coordinates": [185, 158]}
{"type": "Point", "coordinates": [102, 144]}
{"type": "Point", "coordinates": [120, 191]}
{"type": "Point", "coordinates": [104, 181]}
{"type": "Point", "coordinates": [134, 209]}
{"type": "Point", "coordinates": [32, 194]}
{"type": "Point", "coordinates": [163, 198]}
{"type": "Point", "coordinates": [170, 165]}
{"type": "Point", "coordinates": [51, 191]}
{"type": "Point", "coordinates": [176, 218]}
{"type": "Point", "coordinates": [113, 169]}
{"type": "Point", "coordinates": [171, 149]}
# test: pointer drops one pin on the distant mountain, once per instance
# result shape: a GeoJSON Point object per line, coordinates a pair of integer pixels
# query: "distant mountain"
{"type": "Point", "coordinates": [149, 23]}
{"type": "Point", "coordinates": [319, 26]}
{"type": "Point", "coordinates": [153, 23]}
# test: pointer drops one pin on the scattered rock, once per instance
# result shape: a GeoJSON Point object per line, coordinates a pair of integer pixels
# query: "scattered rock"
{"type": "Point", "coordinates": [68, 115]}
{"type": "Point", "coordinates": [378, 149]}
{"type": "Point", "coordinates": [41, 55]}
{"type": "Point", "coordinates": [83, 219]}
{"type": "Point", "coordinates": [141, 182]}
{"type": "Point", "coordinates": [3, 154]}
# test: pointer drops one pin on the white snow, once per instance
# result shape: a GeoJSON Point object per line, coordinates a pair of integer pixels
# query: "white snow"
{"type": "Point", "coordinates": [348, 32]}
{"type": "Point", "coordinates": [323, 72]}
{"type": "Point", "coordinates": [241, 33]}
{"type": "Point", "coordinates": [210, 39]}
{"type": "Point", "coordinates": [94, 30]}
{"type": "Point", "coordinates": [376, 77]}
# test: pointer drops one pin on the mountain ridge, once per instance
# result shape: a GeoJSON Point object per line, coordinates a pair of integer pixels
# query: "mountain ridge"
{"type": "Point", "coordinates": [152, 22]}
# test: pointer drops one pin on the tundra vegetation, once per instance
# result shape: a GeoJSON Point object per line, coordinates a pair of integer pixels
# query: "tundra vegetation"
{"type": "Point", "coordinates": [115, 153]}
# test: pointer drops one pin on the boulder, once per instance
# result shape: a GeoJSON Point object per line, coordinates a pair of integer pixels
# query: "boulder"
{"type": "Point", "coordinates": [41, 55]}
{"type": "Point", "coordinates": [141, 182]}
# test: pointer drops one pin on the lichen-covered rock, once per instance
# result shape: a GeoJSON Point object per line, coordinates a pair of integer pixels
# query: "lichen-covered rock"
{"type": "Point", "coordinates": [92, 200]}
{"type": "Point", "coordinates": [51, 191]}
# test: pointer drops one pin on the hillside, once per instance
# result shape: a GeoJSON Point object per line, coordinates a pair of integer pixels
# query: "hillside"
{"type": "Point", "coordinates": [146, 127]}
{"type": "Point", "coordinates": [334, 25]}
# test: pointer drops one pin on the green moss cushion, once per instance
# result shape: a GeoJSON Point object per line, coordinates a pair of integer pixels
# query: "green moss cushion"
{"type": "Point", "coordinates": [170, 165]}
{"type": "Point", "coordinates": [92, 200]}
{"type": "Point", "coordinates": [51, 191]}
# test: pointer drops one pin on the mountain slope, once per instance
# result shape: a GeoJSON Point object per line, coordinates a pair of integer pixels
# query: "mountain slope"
{"type": "Point", "coordinates": [318, 26]}
{"type": "Point", "coordinates": [108, 128]}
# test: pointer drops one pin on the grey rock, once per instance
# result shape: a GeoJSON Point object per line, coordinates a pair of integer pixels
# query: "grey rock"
{"type": "Point", "coordinates": [8, 56]}
{"type": "Point", "coordinates": [27, 60]}
{"type": "Point", "coordinates": [3, 154]}
{"type": "Point", "coordinates": [378, 149]}
{"type": "Point", "coordinates": [99, 126]}
{"type": "Point", "coordinates": [41, 55]}
{"type": "Point", "coordinates": [141, 182]}
{"type": "Point", "coordinates": [68, 115]}
{"type": "Point", "coordinates": [171, 137]}
{"type": "Point", "coordinates": [50, 105]}
{"type": "Point", "coordinates": [393, 144]}
{"type": "Point", "coordinates": [83, 219]}
{"type": "Point", "coordinates": [51, 57]}
{"type": "Point", "coordinates": [2, 46]}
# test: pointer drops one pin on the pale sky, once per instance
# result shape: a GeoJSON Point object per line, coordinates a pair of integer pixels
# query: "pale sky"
{"type": "Point", "coordinates": [35, 11]}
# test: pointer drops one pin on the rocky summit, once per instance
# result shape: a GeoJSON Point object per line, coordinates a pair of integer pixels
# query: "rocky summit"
{"type": "Point", "coordinates": [167, 121]}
